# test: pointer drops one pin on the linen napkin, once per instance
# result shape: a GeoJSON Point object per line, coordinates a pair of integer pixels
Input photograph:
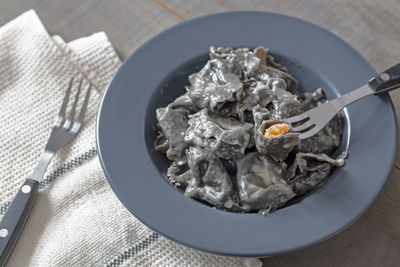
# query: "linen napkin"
{"type": "Point", "coordinates": [76, 220]}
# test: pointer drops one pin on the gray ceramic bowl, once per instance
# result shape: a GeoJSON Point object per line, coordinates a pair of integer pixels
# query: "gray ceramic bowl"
{"type": "Point", "coordinates": [157, 72]}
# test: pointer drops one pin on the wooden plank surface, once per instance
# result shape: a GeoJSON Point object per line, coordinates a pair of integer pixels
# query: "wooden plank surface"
{"type": "Point", "coordinates": [371, 26]}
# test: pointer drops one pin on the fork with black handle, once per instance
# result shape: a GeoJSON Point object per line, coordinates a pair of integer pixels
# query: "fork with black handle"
{"type": "Point", "coordinates": [64, 129]}
{"type": "Point", "coordinates": [312, 121]}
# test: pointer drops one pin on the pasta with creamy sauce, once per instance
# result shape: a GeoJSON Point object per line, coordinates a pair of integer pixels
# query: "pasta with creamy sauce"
{"type": "Point", "coordinates": [227, 140]}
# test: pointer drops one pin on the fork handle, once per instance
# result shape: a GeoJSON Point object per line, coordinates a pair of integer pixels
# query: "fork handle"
{"type": "Point", "coordinates": [387, 80]}
{"type": "Point", "coordinates": [14, 220]}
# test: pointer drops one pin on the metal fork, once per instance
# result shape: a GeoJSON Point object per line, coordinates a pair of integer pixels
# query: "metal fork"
{"type": "Point", "coordinates": [312, 121]}
{"type": "Point", "coordinates": [64, 129]}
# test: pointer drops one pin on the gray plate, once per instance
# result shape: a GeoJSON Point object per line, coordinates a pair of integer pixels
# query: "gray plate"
{"type": "Point", "coordinates": [156, 73]}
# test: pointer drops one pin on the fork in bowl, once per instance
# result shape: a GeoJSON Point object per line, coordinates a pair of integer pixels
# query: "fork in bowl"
{"type": "Point", "coordinates": [312, 121]}
{"type": "Point", "coordinates": [64, 129]}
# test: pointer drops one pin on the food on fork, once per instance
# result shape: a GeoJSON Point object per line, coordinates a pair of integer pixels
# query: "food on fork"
{"type": "Point", "coordinates": [277, 146]}
{"type": "Point", "coordinates": [276, 130]}
{"type": "Point", "coordinates": [226, 136]}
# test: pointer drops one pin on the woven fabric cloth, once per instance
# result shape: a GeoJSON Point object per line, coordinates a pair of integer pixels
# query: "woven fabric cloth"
{"type": "Point", "coordinates": [76, 220]}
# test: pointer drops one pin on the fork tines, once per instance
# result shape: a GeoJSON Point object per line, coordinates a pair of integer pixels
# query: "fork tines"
{"type": "Point", "coordinates": [68, 123]}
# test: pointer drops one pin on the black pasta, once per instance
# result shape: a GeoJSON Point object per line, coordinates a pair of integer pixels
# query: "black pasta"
{"type": "Point", "coordinates": [227, 139]}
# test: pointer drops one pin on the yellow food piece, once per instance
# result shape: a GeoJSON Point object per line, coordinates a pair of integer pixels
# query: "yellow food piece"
{"type": "Point", "coordinates": [261, 53]}
{"type": "Point", "coordinates": [276, 129]}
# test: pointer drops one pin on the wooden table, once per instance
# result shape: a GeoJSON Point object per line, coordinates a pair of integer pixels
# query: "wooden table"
{"type": "Point", "coordinates": [371, 26]}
